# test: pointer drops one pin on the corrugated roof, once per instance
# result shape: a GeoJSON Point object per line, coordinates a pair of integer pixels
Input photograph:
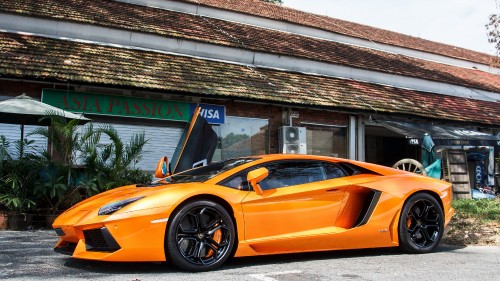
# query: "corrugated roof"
{"type": "Point", "coordinates": [179, 25]}
{"type": "Point", "coordinates": [282, 13]}
{"type": "Point", "coordinates": [25, 56]}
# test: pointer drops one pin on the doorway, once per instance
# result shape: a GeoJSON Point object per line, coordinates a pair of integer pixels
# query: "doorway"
{"type": "Point", "coordinates": [385, 147]}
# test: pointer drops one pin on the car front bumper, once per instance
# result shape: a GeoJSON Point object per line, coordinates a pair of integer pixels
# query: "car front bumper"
{"type": "Point", "coordinates": [134, 238]}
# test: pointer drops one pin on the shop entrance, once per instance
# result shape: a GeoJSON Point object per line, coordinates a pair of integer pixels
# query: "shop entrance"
{"type": "Point", "coordinates": [385, 147]}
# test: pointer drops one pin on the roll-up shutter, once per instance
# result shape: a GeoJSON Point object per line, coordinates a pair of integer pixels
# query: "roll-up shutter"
{"type": "Point", "coordinates": [161, 141]}
{"type": "Point", "coordinates": [13, 133]}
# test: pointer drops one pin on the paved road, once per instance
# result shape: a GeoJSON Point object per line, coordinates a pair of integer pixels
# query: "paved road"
{"type": "Point", "coordinates": [28, 255]}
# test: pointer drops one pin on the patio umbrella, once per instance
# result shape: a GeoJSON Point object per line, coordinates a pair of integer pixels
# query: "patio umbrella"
{"type": "Point", "coordinates": [25, 110]}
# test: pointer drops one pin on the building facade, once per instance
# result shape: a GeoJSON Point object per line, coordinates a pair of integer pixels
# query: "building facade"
{"type": "Point", "coordinates": [255, 68]}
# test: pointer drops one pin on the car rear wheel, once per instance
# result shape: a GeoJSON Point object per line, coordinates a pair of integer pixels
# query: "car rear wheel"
{"type": "Point", "coordinates": [200, 236]}
{"type": "Point", "coordinates": [421, 224]}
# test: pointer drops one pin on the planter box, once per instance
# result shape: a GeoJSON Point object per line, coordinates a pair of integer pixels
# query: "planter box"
{"type": "Point", "coordinates": [4, 221]}
{"type": "Point", "coordinates": [49, 219]}
{"type": "Point", "coordinates": [19, 221]}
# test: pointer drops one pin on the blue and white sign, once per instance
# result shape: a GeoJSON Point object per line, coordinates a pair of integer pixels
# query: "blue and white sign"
{"type": "Point", "coordinates": [214, 114]}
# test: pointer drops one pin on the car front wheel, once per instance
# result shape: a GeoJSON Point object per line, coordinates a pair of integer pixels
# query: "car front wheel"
{"type": "Point", "coordinates": [200, 236]}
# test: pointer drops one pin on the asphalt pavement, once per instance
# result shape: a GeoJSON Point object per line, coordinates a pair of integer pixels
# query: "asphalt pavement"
{"type": "Point", "coordinates": [28, 255]}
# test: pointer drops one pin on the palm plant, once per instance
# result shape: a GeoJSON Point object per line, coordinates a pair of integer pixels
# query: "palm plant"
{"type": "Point", "coordinates": [106, 165]}
{"type": "Point", "coordinates": [110, 164]}
{"type": "Point", "coordinates": [57, 162]}
{"type": "Point", "coordinates": [63, 139]}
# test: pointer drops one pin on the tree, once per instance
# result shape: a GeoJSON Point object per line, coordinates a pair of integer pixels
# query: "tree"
{"type": "Point", "coordinates": [493, 32]}
{"type": "Point", "coordinates": [279, 2]}
{"type": "Point", "coordinates": [232, 139]}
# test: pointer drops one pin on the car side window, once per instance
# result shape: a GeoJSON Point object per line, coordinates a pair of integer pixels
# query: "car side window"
{"type": "Point", "coordinates": [288, 173]}
{"type": "Point", "coordinates": [333, 171]}
{"type": "Point", "coordinates": [237, 181]}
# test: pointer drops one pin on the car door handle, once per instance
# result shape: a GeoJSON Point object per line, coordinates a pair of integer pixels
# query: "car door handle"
{"type": "Point", "coordinates": [332, 189]}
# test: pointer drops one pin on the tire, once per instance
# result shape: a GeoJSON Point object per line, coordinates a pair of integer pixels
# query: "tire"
{"type": "Point", "coordinates": [421, 224]}
{"type": "Point", "coordinates": [200, 236]}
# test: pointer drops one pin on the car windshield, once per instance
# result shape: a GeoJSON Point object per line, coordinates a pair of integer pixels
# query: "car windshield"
{"type": "Point", "coordinates": [205, 173]}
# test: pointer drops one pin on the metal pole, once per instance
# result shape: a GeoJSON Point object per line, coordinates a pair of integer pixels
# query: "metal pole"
{"type": "Point", "coordinates": [22, 142]}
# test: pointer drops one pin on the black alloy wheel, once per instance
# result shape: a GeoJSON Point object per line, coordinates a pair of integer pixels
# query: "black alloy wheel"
{"type": "Point", "coordinates": [200, 236]}
{"type": "Point", "coordinates": [421, 224]}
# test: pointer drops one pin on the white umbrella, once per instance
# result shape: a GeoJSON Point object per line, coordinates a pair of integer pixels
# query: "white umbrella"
{"type": "Point", "coordinates": [25, 110]}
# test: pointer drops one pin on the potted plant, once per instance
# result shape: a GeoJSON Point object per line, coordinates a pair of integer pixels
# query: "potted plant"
{"type": "Point", "coordinates": [57, 175]}
{"type": "Point", "coordinates": [4, 218]}
{"type": "Point", "coordinates": [16, 183]}
{"type": "Point", "coordinates": [16, 194]}
{"type": "Point", "coordinates": [54, 192]}
{"type": "Point", "coordinates": [4, 156]}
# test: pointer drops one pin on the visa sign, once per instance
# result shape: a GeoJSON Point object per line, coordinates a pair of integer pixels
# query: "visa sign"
{"type": "Point", "coordinates": [214, 114]}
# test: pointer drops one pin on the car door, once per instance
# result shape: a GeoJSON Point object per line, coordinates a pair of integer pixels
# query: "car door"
{"type": "Point", "coordinates": [299, 206]}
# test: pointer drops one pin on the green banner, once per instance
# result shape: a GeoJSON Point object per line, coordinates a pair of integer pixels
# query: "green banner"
{"type": "Point", "coordinates": [101, 104]}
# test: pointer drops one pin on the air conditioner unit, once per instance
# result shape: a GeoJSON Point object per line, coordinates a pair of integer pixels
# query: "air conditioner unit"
{"type": "Point", "coordinates": [292, 140]}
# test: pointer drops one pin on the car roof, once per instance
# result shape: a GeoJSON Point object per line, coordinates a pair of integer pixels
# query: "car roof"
{"type": "Point", "coordinates": [382, 170]}
{"type": "Point", "coordinates": [296, 156]}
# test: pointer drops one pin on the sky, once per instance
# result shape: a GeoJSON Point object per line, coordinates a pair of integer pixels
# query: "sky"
{"type": "Point", "coordinates": [456, 22]}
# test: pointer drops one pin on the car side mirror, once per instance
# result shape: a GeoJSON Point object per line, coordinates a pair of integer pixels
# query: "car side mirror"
{"type": "Point", "coordinates": [162, 168]}
{"type": "Point", "coordinates": [256, 176]}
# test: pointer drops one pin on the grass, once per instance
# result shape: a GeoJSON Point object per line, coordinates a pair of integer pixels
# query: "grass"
{"type": "Point", "coordinates": [484, 210]}
{"type": "Point", "coordinates": [476, 222]}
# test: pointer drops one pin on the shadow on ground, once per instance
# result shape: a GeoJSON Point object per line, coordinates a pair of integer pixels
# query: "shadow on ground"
{"type": "Point", "coordinates": [235, 263]}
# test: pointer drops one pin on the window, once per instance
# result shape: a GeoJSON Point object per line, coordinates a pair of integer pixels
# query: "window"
{"type": "Point", "coordinates": [327, 140]}
{"type": "Point", "coordinates": [205, 173]}
{"type": "Point", "coordinates": [240, 137]}
{"type": "Point", "coordinates": [290, 173]}
{"type": "Point", "coordinates": [352, 170]}
{"type": "Point", "coordinates": [238, 181]}
{"type": "Point", "coordinates": [333, 171]}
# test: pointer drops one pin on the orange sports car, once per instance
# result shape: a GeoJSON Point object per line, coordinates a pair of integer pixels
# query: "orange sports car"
{"type": "Point", "coordinates": [270, 204]}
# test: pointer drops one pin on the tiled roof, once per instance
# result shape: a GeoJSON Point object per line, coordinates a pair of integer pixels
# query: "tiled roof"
{"type": "Point", "coordinates": [272, 11]}
{"type": "Point", "coordinates": [40, 58]}
{"type": "Point", "coordinates": [179, 25]}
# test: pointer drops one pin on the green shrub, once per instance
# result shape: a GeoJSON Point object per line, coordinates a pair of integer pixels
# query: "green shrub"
{"type": "Point", "coordinates": [17, 177]}
{"type": "Point", "coordinates": [56, 179]}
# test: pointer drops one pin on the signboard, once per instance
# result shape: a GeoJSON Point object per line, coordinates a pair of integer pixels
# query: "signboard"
{"type": "Point", "coordinates": [91, 103]}
{"type": "Point", "coordinates": [214, 114]}
{"type": "Point", "coordinates": [413, 141]}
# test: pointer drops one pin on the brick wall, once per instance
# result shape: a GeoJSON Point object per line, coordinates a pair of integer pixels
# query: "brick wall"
{"type": "Point", "coordinates": [16, 88]}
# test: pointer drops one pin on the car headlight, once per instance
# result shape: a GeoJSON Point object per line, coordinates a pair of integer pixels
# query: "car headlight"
{"type": "Point", "coordinates": [115, 206]}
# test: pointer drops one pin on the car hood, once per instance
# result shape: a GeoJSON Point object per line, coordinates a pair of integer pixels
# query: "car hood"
{"type": "Point", "coordinates": [94, 203]}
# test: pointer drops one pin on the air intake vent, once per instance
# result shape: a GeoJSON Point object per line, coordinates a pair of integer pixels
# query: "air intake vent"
{"type": "Point", "coordinates": [100, 240]}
